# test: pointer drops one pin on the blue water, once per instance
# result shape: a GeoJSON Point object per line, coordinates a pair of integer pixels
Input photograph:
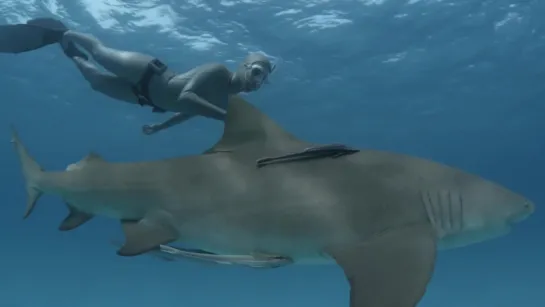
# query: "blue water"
{"type": "Point", "coordinates": [461, 82]}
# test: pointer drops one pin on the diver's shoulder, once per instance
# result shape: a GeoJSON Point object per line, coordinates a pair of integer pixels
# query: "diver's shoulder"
{"type": "Point", "coordinates": [215, 67]}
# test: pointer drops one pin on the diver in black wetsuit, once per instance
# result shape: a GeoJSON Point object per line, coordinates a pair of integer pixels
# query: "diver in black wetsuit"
{"type": "Point", "coordinates": [142, 79]}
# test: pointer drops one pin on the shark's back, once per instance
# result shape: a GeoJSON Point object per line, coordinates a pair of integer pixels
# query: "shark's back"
{"type": "Point", "coordinates": [94, 182]}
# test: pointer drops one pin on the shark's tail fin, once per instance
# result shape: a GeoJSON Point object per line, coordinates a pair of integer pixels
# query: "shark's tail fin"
{"type": "Point", "coordinates": [31, 171]}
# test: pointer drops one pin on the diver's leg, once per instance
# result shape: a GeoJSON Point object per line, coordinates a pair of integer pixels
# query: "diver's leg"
{"type": "Point", "coordinates": [105, 83]}
{"type": "Point", "coordinates": [125, 64]}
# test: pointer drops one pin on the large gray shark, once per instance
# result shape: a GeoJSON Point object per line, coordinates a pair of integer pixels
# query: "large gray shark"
{"type": "Point", "coordinates": [379, 215]}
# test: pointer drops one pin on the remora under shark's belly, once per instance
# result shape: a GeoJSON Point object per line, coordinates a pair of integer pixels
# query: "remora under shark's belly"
{"type": "Point", "coordinates": [221, 238]}
{"type": "Point", "coordinates": [301, 251]}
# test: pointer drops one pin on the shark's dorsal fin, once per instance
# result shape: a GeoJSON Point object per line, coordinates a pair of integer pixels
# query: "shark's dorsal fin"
{"type": "Point", "coordinates": [90, 158]}
{"type": "Point", "coordinates": [246, 124]}
{"type": "Point", "coordinates": [93, 157]}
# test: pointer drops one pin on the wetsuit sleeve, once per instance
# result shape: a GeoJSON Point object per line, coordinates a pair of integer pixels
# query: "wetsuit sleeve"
{"type": "Point", "coordinates": [197, 105]}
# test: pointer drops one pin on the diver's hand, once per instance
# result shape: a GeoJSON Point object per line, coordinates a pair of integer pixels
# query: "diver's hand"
{"type": "Point", "coordinates": [150, 129]}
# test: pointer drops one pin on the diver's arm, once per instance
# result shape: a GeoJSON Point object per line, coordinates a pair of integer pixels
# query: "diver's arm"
{"type": "Point", "coordinates": [176, 119]}
{"type": "Point", "coordinates": [200, 106]}
{"type": "Point", "coordinates": [198, 85]}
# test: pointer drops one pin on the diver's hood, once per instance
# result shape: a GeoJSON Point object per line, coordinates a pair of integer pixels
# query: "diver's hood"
{"type": "Point", "coordinates": [258, 58]}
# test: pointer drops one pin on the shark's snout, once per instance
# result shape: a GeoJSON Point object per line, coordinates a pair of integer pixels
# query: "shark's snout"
{"type": "Point", "coordinates": [527, 208]}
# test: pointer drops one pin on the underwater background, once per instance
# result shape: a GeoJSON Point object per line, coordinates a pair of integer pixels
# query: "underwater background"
{"type": "Point", "coordinates": [460, 82]}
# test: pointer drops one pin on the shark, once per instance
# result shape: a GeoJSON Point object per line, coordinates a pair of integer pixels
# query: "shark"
{"type": "Point", "coordinates": [381, 216]}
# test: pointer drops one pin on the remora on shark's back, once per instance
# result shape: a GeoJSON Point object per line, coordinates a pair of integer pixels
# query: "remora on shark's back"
{"type": "Point", "coordinates": [379, 215]}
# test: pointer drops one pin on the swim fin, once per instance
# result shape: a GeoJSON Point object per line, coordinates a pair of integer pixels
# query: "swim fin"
{"type": "Point", "coordinates": [35, 34]}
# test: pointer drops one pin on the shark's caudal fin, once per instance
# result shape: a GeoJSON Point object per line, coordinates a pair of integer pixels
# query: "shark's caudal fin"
{"type": "Point", "coordinates": [31, 172]}
{"type": "Point", "coordinates": [245, 124]}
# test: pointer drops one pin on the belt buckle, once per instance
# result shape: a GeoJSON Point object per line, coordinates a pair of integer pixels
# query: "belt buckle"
{"type": "Point", "coordinates": [157, 66]}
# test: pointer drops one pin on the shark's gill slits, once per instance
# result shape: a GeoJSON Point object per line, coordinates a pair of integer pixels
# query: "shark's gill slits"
{"type": "Point", "coordinates": [445, 210]}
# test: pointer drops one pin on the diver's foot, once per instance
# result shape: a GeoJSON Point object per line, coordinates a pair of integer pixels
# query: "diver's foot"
{"type": "Point", "coordinates": [149, 129]}
{"type": "Point", "coordinates": [71, 51]}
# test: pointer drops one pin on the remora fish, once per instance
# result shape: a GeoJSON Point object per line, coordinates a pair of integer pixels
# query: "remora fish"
{"type": "Point", "coordinates": [256, 261]}
{"type": "Point", "coordinates": [379, 215]}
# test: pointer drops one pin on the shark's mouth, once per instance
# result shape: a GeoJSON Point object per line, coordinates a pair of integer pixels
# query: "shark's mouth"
{"type": "Point", "coordinates": [473, 236]}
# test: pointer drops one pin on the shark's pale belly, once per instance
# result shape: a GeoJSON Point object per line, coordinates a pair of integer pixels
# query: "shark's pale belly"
{"type": "Point", "coordinates": [215, 234]}
{"type": "Point", "coordinates": [304, 249]}
{"type": "Point", "coordinates": [301, 255]}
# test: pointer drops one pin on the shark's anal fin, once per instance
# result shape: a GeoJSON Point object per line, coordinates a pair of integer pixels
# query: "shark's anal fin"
{"type": "Point", "coordinates": [390, 270]}
{"type": "Point", "coordinates": [145, 235]}
{"type": "Point", "coordinates": [74, 219]}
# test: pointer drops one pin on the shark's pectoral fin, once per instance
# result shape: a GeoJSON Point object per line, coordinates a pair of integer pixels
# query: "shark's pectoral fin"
{"type": "Point", "coordinates": [144, 235]}
{"type": "Point", "coordinates": [390, 270]}
{"type": "Point", "coordinates": [155, 252]}
{"type": "Point", "coordinates": [74, 219]}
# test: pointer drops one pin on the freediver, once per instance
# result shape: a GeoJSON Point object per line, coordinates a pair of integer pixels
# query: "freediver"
{"type": "Point", "coordinates": [139, 78]}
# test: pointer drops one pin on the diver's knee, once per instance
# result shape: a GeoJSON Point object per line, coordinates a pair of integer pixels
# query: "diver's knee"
{"type": "Point", "coordinates": [95, 78]}
{"type": "Point", "coordinates": [98, 82]}
{"type": "Point", "coordinates": [88, 70]}
{"type": "Point", "coordinates": [104, 83]}
{"type": "Point", "coordinates": [100, 52]}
